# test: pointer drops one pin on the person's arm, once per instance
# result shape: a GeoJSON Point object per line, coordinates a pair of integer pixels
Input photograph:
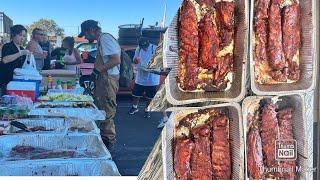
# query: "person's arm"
{"type": "Point", "coordinates": [32, 47]}
{"type": "Point", "coordinates": [12, 57]}
{"type": "Point", "coordinates": [113, 61]}
{"type": "Point", "coordinates": [136, 54]}
{"type": "Point", "coordinates": [78, 57]}
{"type": "Point", "coordinates": [110, 51]}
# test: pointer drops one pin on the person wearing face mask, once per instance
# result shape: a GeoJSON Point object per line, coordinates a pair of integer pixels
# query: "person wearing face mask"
{"type": "Point", "coordinates": [145, 82]}
{"type": "Point", "coordinates": [13, 55]}
{"type": "Point", "coordinates": [46, 47]}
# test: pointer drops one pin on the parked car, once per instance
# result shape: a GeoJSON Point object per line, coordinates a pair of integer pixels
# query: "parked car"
{"type": "Point", "coordinates": [86, 46]}
{"type": "Point", "coordinates": [88, 52]}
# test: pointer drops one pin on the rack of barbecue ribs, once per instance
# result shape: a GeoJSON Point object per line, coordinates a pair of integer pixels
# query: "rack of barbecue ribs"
{"type": "Point", "coordinates": [277, 41]}
{"type": "Point", "coordinates": [268, 125]}
{"type": "Point", "coordinates": [202, 151]}
{"type": "Point", "coordinates": [206, 40]}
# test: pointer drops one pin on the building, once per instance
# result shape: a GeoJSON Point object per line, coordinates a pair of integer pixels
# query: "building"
{"type": "Point", "coordinates": [5, 24]}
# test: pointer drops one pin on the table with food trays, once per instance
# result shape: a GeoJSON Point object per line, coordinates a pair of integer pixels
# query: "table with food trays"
{"type": "Point", "coordinates": [58, 137]}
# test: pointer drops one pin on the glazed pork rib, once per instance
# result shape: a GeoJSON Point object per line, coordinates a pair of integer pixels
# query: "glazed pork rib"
{"type": "Point", "coordinates": [276, 55]}
{"type": "Point", "coordinates": [220, 147]}
{"type": "Point", "coordinates": [200, 159]}
{"type": "Point", "coordinates": [209, 42]}
{"type": "Point", "coordinates": [261, 8]}
{"type": "Point", "coordinates": [260, 26]}
{"type": "Point", "coordinates": [182, 155]}
{"type": "Point", "coordinates": [254, 154]}
{"type": "Point", "coordinates": [225, 16]}
{"type": "Point", "coordinates": [286, 132]}
{"type": "Point", "coordinates": [225, 65]}
{"type": "Point", "coordinates": [188, 47]}
{"type": "Point", "coordinates": [291, 38]}
{"type": "Point", "coordinates": [269, 130]}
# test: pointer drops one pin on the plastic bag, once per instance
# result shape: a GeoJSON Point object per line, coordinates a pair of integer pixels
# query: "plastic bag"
{"type": "Point", "coordinates": [28, 70]}
{"type": "Point", "coordinates": [29, 63]}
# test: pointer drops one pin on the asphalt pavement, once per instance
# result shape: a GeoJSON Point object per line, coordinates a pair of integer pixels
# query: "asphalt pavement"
{"type": "Point", "coordinates": [136, 137]}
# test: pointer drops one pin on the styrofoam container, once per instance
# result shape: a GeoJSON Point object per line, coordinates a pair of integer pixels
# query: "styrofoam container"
{"type": "Point", "coordinates": [236, 138]}
{"type": "Point", "coordinates": [237, 90]}
{"type": "Point", "coordinates": [24, 89]}
{"type": "Point", "coordinates": [308, 55]}
{"type": "Point", "coordinates": [38, 83]}
{"type": "Point", "coordinates": [300, 126]}
{"type": "Point", "coordinates": [57, 125]}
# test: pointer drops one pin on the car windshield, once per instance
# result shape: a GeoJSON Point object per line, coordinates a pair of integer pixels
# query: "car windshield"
{"type": "Point", "coordinates": [86, 46]}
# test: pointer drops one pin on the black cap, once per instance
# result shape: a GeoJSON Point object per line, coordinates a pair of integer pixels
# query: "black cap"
{"type": "Point", "coordinates": [86, 26]}
{"type": "Point", "coordinates": [143, 42]}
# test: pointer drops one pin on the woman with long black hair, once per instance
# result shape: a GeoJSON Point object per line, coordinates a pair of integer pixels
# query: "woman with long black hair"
{"type": "Point", "coordinates": [13, 55]}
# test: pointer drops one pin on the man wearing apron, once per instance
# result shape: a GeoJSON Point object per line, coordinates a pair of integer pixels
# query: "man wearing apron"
{"type": "Point", "coordinates": [106, 74]}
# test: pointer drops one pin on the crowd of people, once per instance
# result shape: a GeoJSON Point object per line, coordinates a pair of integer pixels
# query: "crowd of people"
{"type": "Point", "coordinates": [106, 72]}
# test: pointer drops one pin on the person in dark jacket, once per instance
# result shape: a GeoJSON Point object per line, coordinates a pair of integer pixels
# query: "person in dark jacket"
{"type": "Point", "coordinates": [13, 55]}
{"type": "Point", "coordinates": [46, 46]}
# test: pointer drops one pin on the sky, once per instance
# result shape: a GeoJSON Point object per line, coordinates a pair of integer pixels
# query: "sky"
{"type": "Point", "coordinates": [69, 14]}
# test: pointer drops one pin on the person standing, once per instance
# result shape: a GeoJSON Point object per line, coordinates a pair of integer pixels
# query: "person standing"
{"type": "Point", "coordinates": [146, 83]}
{"type": "Point", "coordinates": [106, 74]}
{"type": "Point", "coordinates": [72, 57]}
{"type": "Point", "coordinates": [46, 46]}
{"type": "Point", "coordinates": [34, 47]}
{"type": "Point", "coordinates": [13, 55]}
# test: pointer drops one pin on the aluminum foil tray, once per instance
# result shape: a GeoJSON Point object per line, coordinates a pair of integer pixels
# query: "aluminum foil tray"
{"type": "Point", "coordinates": [57, 125]}
{"type": "Point", "coordinates": [85, 146]}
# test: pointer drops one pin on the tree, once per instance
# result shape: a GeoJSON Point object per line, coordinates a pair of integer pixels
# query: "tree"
{"type": "Point", "coordinates": [49, 26]}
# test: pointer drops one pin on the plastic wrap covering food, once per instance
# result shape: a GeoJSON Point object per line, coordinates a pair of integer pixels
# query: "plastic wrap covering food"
{"type": "Point", "coordinates": [55, 125]}
{"type": "Point", "coordinates": [197, 143]}
{"type": "Point", "coordinates": [66, 97]}
{"type": "Point", "coordinates": [277, 41]}
{"type": "Point", "coordinates": [269, 124]}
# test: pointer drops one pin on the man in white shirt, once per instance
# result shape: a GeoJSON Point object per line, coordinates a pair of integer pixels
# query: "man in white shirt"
{"type": "Point", "coordinates": [34, 47]}
{"type": "Point", "coordinates": [106, 75]}
{"type": "Point", "coordinates": [145, 82]}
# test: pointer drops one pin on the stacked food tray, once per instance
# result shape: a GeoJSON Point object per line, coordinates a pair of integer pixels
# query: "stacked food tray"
{"type": "Point", "coordinates": [293, 124]}
{"type": "Point", "coordinates": [307, 56]}
{"type": "Point", "coordinates": [52, 146]}
{"type": "Point", "coordinates": [233, 93]}
{"type": "Point", "coordinates": [289, 86]}
{"type": "Point", "coordinates": [235, 131]}
{"type": "Point", "coordinates": [55, 155]}
{"type": "Point", "coordinates": [56, 126]}
{"type": "Point", "coordinates": [86, 110]}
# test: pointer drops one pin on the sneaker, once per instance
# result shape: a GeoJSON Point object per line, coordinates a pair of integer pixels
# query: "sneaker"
{"type": "Point", "coordinates": [162, 123]}
{"type": "Point", "coordinates": [147, 114]}
{"type": "Point", "coordinates": [133, 110]}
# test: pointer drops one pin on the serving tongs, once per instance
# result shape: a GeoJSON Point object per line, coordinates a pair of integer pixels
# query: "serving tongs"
{"type": "Point", "coordinates": [20, 125]}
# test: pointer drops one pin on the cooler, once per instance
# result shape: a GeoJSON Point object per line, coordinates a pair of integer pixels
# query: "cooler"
{"type": "Point", "coordinates": [24, 89]}
{"type": "Point", "coordinates": [86, 68]}
{"type": "Point", "coordinates": [38, 83]}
